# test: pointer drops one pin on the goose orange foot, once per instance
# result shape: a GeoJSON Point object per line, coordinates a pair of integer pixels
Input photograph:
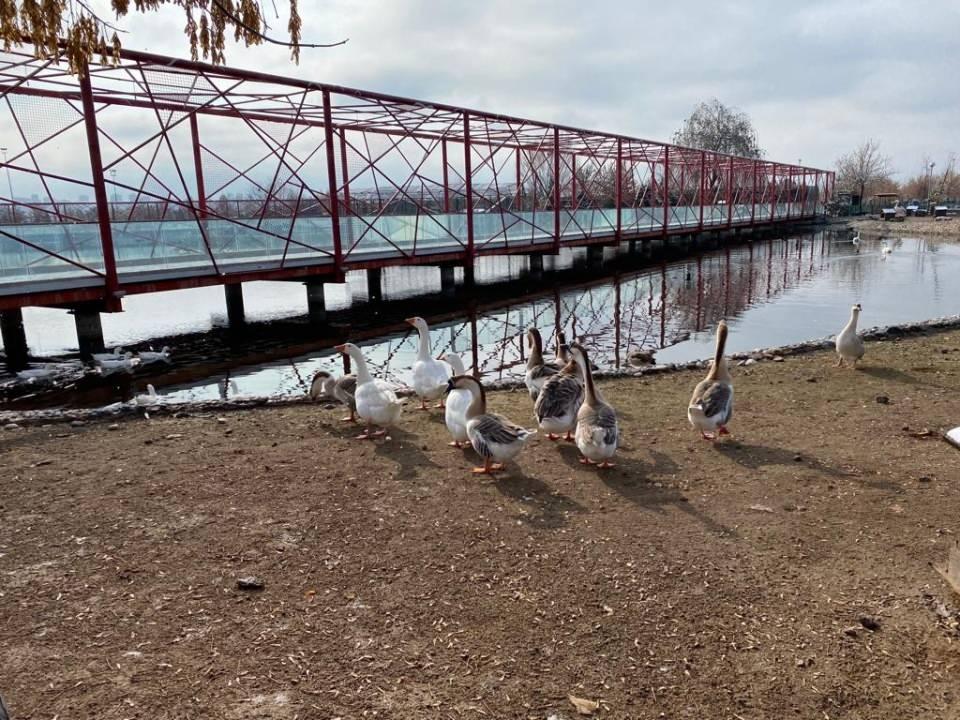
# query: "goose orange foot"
{"type": "Point", "coordinates": [569, 437]}
{"type": "Point", "coordinates": [456, 444]}
{"type": "Point", "coordinates": [488, 468]}
{"type": "Point", "coordinates": [553, 436]}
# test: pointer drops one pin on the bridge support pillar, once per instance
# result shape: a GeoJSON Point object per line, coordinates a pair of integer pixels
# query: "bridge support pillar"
{"type": "Point", "coordinates": [448, 280]}
{"type": "Point", "coordinates": [14, 338]}
{"type": "Point", "coordinates": [594, 256]}
{"type": "Point", "coordinates": [235, 313]}
{"type": "Point", "coordinates": [536, 266]}
{"type": "Point", "coordinates": [316, 301]}
{"type": "Point", "coordinates": [375, 284]}
{"type": "Point", "coordinates": [469, 278]}
{"type": "Point", "coordinates": [89, 331]}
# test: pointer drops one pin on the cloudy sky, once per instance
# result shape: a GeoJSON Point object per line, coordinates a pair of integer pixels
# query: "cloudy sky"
{"type": "Point", "coordinates": [816, 77]}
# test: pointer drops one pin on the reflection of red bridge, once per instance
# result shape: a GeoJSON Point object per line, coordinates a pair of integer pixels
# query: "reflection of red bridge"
{"type": "Point", "coordinates": [193, 175]}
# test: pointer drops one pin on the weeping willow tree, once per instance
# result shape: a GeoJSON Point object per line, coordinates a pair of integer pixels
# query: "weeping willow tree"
{"type": "Point", "coordinates": [73, 28]}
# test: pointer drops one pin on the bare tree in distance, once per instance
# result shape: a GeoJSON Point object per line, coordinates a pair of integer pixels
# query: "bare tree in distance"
{"type": "Point", "coordinates": [75, 28]}
{"type": "Point", "coordinates": [863, 168]}
{"type": "Point", "coordinates": [716, 127]}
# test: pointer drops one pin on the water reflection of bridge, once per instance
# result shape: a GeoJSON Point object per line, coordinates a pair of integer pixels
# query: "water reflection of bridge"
{"type": "Point", "coordinates": [651, 308]}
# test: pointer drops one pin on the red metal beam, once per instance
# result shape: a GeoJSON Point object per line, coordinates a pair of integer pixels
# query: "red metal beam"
{"type": "Point", "coordinates": [332, 194]}
{"type": "Point", "coordinates": [111, 300]}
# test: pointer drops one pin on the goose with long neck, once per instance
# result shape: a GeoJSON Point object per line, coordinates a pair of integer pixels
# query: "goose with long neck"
{"type": "Point", "coordinates": [376, 401]}
{"type": "Point", "coordinates": [429, 375]}
{"type": "Point", "coordinates": [559, 401]}
{"type": "Point", "coordinates": [537, 370]}
{"type": "Point", "coordinates": [711, 406]}
{"type": "Point", "coordinates": [493, 436]}
{"type": "Point", "coordinates": [342, 389]}
{"type": "Point", "coordinates": [597, 428]}
{"type": "Point", "coordinates": [455, 414]}
{"type": "Point", "coordinates": [850, 347]}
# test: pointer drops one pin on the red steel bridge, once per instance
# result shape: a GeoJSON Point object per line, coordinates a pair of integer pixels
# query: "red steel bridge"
{"type": "Point", "coordinates": [160, 173]}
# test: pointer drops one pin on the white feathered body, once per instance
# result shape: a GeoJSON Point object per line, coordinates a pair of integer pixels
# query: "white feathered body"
{"type": "Point", "coordinates": [455, 415]}
{"type": "Point", "coordinates": [377, 403]}
{"type": "Point", "coordinates": [598, 432]}
{"type": "Point", "coordinates": [430, 378]}
{"type": "Point", "coordinates": [707, 416]}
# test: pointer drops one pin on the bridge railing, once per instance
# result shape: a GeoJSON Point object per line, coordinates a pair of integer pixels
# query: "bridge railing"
{"type": "Point", "coordinates": [160, 173]}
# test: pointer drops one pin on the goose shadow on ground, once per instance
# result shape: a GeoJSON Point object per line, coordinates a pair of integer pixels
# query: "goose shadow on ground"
{"type": "Point", "coordinates": [546, 508]}
{"type": "Point", "coordinates": [892, 375]}
{"type": "Point", "coordinates": [403, 448]}
{"type": "Point", "coordinates": [629, 478]}
{"type": "Point", "coordinates": [755, 457]}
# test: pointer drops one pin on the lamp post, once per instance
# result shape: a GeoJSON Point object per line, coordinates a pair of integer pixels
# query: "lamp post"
{"type": "Point", "coordinates": [113, 180]}
{"type": "Point", "coordinates": [930, 179]}
{"type": "Point", "coordinates": [13, 217]}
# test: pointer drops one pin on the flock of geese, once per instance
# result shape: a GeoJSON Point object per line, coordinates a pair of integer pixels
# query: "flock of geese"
{"type": "Point", "coordinates": [566, 401]}
{"type": "Point", "coordinates": [885, 248]}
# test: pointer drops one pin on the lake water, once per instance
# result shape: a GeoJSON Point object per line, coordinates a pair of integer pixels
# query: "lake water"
{"type": "Point", "coordinates": [771, 292]}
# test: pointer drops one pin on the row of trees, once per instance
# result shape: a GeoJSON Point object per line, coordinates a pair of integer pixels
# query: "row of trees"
{"type": "Point", "coordinates": [866, 171]}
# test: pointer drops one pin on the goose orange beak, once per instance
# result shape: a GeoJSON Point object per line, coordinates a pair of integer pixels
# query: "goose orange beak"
{"type": "Point", "coordinates": [340, 349]}
{"type": "Point", "coordinates": [410, 321]}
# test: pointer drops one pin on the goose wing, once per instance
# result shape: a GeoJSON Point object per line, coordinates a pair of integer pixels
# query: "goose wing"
{"type": "Point", "coordinates": [716, 399]}
{"type": "Point", "coordinates": [543, 371]}
{"type": "Point", "coordinates": [603, 420]}
{"type": "Point", "coordinates": [560, 393]}
{"type": "Point", "coordinates": [494, 429]}
{"type": "Point", "coordinates": [348, 384]}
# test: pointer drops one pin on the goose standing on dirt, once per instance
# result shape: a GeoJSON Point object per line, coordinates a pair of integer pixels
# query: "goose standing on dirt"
{"type": "Point", "coordinates": [376, 401]}
{"type": "Point", "coordinates": [885, 249]}
{"type": "Point", "coordinates": [341, 389]}
{"type": "Point", "coordinates": [856, 238]}
{"type": "Point", "coordinates": [711, 406]}
{"type": "Point", "coordinates": [458, 400]}
{"type": "Point", "coordinates": [849, 345]}
{"type": "Point", "coordinates": [597, 429]}
{"type": "Point", "coordinates": [429, 375]}
{"type": "Point", "coordinates": [537, 370]}
{"type": "Point", "coordinates": [559, 401]}
{"type": "Point", "coordinates": [495, 438]}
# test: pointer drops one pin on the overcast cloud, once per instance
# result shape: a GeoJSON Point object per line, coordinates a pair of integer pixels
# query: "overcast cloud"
{"type": "Point", "coordinates": [816, 77]}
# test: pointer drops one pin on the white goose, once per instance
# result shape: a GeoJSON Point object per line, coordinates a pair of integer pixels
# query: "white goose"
{"type": "Point", "coordinates": [711, 406]}
{"type": "Point", "coordinates": [849, 345]}
{"type": "Point", "coordinates": [148, 399]}
{"type": "Point", "coordinates": [458, 400]}
{"type": "Point", "coordinates": [856, 238]}
{"type": "Point", "coordinates": [125, 364]}
{"type": "Point", "coordinates": [885, 249]}
{"type": "Point", "coordinates": [429, 375]}
{"type": "Point", "coordinates": [115, 355]}
{"type": "Point", "coordinates": [377, 403]}
{"type": "Point", "coordinates": [493, 436]}
{"type": "Point", "coordinates": [149, 357]}
{"type": "Point", "coordinates": [342, 389]}
{"type": "Point", "coordinates": [597, 428]}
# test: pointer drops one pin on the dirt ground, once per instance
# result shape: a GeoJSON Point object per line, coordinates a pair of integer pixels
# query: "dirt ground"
{"type": "Point", "coordinates": [918, 226]}
{"type": "Point", "coordinates": [691, 581]}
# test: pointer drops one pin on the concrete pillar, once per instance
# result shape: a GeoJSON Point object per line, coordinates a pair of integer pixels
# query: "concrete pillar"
{"type": "Point", "coordinates": [594, 256]}
{"type": "Point", "coordinates": [447, 280]}
{"type": "Point", "coordinates": [89, 331]}
{"type": "Point", "coordinates": [234, 296]}
{"type": "Point", "coordinates": [375, 284]}
{"type": "Point", "coordinates": [633, 247]}
{"type": "Point", "coordinates": [536, 266]}
{"type": "Point", "coordinates": [14, 338]}
{"type": "Point", "coordinates": [316, 302]}
{"type": "Point", "coordinates": [468, 275]}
